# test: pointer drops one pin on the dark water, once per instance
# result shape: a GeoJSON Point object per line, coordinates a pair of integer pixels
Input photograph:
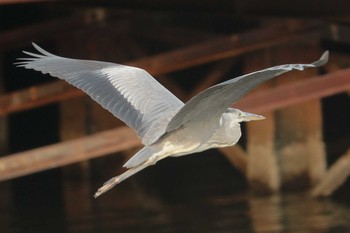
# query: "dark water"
{"type": "Point", "coordinates": [131, 209]}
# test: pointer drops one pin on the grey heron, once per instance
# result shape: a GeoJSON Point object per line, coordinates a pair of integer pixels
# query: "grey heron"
{"type": "Point", "coordinates": [166, 125]}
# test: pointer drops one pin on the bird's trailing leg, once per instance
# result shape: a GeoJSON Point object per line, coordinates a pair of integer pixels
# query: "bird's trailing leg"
{"type": "Point", "coordinates": [118, 179]}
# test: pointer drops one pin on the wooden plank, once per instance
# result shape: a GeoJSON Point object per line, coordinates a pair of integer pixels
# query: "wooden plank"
{"type": "Point", "coordinates": [229, 46]}
{"type": "Point", "coordinates": [60, 154]}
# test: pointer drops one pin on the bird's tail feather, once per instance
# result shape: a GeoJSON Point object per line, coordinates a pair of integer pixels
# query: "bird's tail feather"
{"type": "Point", "coordinates": [118, 179]}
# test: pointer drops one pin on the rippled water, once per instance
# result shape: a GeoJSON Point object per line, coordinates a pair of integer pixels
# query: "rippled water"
{"type": "Point", "coordinates": [238, 213]}
{"type": "Point", "coordinates": [132, 210]}
{"type": "Point", "coordinates": [176, 196]}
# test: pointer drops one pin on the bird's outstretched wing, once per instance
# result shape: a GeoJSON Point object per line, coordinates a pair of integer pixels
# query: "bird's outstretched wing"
{"type": "Point", "coordinates": [129, 93]}
{"type": "Point", "coordinates": [214, 101]}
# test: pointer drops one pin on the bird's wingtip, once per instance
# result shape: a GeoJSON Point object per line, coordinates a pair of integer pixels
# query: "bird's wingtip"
{"type": "Point", "coordinates": [42, 51]}
{"type": "Point", "coordinates": [323, 59]}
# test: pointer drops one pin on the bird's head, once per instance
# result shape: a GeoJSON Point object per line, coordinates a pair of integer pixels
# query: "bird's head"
{"type": "Point", "coordinates": [240, 116]}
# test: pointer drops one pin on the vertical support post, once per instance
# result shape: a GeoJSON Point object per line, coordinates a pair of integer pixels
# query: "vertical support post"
{"type": "Point", "coordinates": [76, 177]}
{"type": "Point", "coordinates": [5, 187]}
{"type": "Point", "coordinates": [300, 146]}
{"type": "Point", "coordinates": [3, 119]}
{"type": "Point", "coordinates": [262, 169]}
{"type": "Point", "coordinates": [338, 173]}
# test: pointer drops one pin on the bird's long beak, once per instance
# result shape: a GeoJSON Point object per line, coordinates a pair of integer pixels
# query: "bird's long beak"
{"type": "Point", "coordinates": [246, 116]}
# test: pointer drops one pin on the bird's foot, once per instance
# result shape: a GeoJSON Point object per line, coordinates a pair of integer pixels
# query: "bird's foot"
{"type": "Point", "coordinates": [107, 186]}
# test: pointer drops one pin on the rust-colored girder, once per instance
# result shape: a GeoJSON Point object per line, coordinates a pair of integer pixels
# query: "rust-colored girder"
{"type": "Point", "coordinates": [123, 138]}
{"type": "Point", "coordinates": [37, 96]}
{"type": "Point", "coordinates": [67, 152]}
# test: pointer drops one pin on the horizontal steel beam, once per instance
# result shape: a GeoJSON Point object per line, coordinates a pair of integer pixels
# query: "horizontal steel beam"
{"type": "Point", "coordinates": [123, 138]}
{"type": "Point", "coordinates": [68, 152]}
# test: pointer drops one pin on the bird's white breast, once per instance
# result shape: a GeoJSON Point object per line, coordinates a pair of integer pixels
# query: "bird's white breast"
{"type": "Point", "coordinates": [201, 136]}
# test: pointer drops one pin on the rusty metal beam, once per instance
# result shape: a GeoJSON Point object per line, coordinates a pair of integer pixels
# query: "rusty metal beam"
{"type": "Point", "coordinates": [229, 46]}
{"type": "Point", "coordinates": [293, 93]}
{"type": "Point", "coordinates": [64, 153]}
{"type": "Point", "coordinates": [37, 96]}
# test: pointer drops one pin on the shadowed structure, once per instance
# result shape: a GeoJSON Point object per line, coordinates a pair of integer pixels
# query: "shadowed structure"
{"type": "Point", "coordinates": [166, 126]}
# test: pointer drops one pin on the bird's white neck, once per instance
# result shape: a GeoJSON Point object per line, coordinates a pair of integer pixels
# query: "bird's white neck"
{"type": "Point", "coordinates": [228, 133]}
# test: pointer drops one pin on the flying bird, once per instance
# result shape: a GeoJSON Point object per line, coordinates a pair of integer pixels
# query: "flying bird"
{"type": "Point", "coordinates": [166, 125]}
